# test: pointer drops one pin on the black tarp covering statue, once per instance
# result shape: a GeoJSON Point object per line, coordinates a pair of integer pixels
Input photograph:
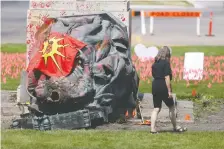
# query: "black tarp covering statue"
{"type": "Point", "coordinates": [83, 63]}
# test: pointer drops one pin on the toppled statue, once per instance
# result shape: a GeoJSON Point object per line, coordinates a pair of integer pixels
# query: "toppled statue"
{"type": "Point", "coordinates": [82, 63]}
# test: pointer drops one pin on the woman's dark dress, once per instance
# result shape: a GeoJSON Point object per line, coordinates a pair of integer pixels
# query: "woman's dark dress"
{"type": "Point", "coordinates": [160, 69]}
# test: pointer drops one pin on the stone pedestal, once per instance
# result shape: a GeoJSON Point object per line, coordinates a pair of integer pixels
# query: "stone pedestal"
{"type": "Point", "coordinates": [40, 10]}
{"type": "Point", "coordinates": [74, 5]}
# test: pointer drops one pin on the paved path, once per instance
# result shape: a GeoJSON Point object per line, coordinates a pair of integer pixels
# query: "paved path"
{"type": "Point", "coordinates": [184, 108]}
{"type": "Point", "coordinates": [167, 31]}
{"type": "Point", "coordinates": [13, 21]}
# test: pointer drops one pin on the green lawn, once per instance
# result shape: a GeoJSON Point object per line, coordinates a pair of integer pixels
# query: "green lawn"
{"type": "Point", "coordinates": [184, 92]}
{"type": "Point", "coordinates": [179, 87]}
{"type": "Point", "coordinates": [177, 50]}
{"type": "Point", "coordinates": [208, 50]}
{"type": "Point", "coordinates": [13, 48]}
{"type": "Point", "coordinates": [11, 84]}
{"type": "Point", "coordinates": [102, 139]}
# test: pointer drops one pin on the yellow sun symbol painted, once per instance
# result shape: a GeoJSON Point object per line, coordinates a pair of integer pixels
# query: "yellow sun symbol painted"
{"type": "Point", "coordinates": [51, 48]}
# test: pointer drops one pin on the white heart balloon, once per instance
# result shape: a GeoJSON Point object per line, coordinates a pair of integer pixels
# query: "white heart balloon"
{"type": "Point", "coordinates": [145, 53]}
{"type": "Point", "coordinates": [138, 50]}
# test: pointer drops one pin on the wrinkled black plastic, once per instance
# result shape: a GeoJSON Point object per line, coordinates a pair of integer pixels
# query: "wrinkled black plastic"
{"type": "Point", "coordinates": [105, 83]}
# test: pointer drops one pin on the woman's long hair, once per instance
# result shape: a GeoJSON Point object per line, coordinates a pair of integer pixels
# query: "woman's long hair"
{"type": "Point", "coordinates": [163, 54]}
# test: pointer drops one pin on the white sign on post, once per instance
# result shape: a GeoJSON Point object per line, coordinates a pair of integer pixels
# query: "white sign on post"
{"type": "Point", "coordinates": [193, 66]}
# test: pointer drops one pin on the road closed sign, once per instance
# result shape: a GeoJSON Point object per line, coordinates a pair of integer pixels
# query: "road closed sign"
{"type": "Point", "coordinates": [193, 66]}
{"type": "Point", "coordinates": [174, 14]}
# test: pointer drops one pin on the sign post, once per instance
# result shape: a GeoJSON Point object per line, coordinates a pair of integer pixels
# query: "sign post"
{"type": "Point", "coordinates": [143, 29]}
{"type": "Point", "coordinates": [198, 26]}
{"type": "Point", "coordinates": [151, 25]}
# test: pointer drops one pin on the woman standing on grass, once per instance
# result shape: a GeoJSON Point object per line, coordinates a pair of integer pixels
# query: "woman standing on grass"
{"type": "Point", "coordinates": [161, 88]}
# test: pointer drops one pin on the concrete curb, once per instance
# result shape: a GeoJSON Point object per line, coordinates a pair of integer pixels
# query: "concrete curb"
{"type": "Point", "coordinates": [196, 5]}
{"type": "Point", "coordinates": [145, 7]}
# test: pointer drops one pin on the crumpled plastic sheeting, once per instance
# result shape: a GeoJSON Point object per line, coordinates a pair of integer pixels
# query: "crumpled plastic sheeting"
{"type": "Point", "coordinates": [106, 75]}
